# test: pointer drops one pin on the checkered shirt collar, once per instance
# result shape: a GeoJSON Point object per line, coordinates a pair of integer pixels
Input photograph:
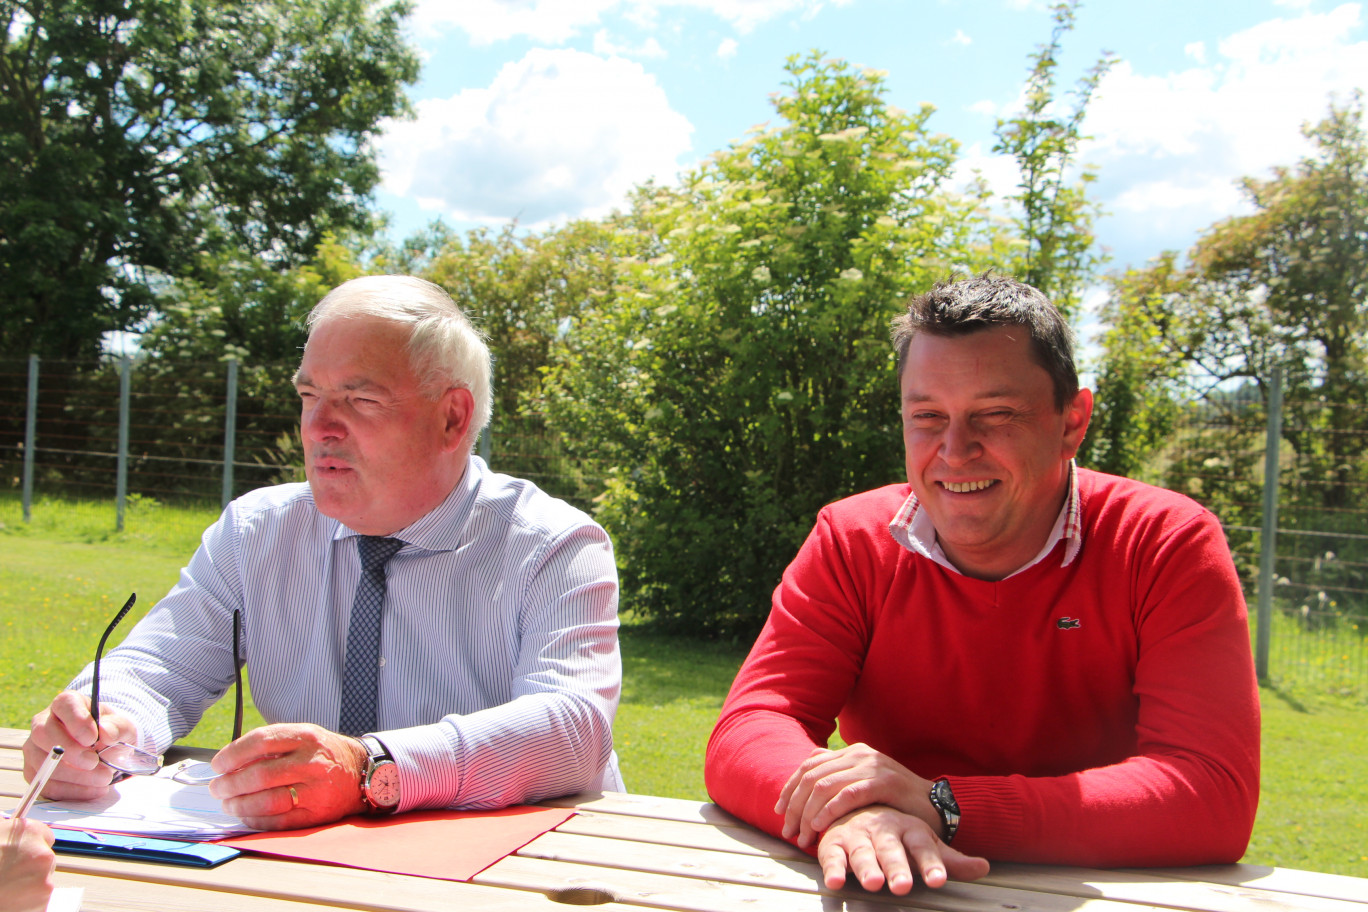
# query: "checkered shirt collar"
{"type": "Point", "coordinates": [911, 527]}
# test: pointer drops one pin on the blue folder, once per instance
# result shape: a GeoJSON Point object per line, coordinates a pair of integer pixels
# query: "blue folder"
{"type": "Point", "coordinates": [142, 848]}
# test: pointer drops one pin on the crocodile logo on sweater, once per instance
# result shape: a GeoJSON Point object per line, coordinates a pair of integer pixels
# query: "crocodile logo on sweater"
{"type": "Point", "coordinates": [1069, 623]}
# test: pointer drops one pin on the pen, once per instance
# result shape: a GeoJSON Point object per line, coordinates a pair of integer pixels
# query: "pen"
{"type": "Point", "coordinates": [40, 779]}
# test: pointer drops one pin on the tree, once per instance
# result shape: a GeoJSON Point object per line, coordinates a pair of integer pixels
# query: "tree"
{"type": "Point", "coordinates": [1285, 286]}
{"type": "Point", "coordinates": [1303, 256]}
{"type": "Point", "coordinates": [252, 312]}
{"type": "Point", "coordinates": [520, 289]}
{"type": "Point", "coordinates": [143, 138]}
{"type": "Point", "coordinates": [738, 375]}
{"type": "Point", "coordinates": [1056, 248]}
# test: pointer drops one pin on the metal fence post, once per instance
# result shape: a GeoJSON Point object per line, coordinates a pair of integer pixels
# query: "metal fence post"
{"type": "Point", "coordinates": [1268, 537]}
{"type": "Point", "coordinates": [229, 433]}
{"type": "Point", "coordinates": [30, 436]}
{"type": "Point", "coordinates": [121, 482]}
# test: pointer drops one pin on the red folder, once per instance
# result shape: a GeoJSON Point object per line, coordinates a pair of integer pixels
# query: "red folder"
{"type": "Point", "coordinates": [447, 845]}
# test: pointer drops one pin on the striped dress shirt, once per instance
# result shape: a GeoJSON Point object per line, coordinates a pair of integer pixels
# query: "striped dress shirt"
{"type": "Point", "coordinates": [500, 673]}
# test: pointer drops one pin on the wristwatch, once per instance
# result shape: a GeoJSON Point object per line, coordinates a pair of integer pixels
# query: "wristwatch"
{"type": "Point", "coordinates": [380, 781]}
{"type": "Point", "coordinates": [943, 800]}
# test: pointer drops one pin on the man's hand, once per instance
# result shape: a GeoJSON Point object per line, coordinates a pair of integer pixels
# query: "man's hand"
{"type": "Point", "coordinates": [881, 845]}
{"type": "Point", "coordinates": [287, 776]}
{"type": "Point", "coordinates": [830, 784]}
{"type": "Point", "coordinates": [67, 724]}
{"type": "Point", "coordinates": [26, 864]}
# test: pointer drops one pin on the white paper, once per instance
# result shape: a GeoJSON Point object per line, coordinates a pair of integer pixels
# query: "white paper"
{"type": "Point", "coordinates": [147, 806]}
{"type": "Point", "coordinates": [66, 899]}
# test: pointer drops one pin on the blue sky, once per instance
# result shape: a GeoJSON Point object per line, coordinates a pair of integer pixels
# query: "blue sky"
{"type": "Point", "coordinates": [545, 110]}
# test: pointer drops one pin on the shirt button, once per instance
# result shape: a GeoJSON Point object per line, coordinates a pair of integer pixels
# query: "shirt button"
{"type": "Point", "coordinates": [382, 661]}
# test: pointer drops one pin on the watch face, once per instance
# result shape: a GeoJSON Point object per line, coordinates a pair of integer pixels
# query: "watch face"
{"type": "Point", "coordinates": [382, 788]}
{"type": "Point", "coordinates": [943, 798]}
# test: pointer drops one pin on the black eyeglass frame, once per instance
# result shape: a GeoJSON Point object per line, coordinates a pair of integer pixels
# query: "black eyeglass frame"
{"type": "Point", "coordinates": [153, 763]}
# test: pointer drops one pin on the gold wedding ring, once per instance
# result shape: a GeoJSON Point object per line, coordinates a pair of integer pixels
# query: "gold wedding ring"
{"type": "Point", "coordinates": [294, 798]}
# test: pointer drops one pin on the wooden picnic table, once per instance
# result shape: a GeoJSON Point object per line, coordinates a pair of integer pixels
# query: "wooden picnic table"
{"type": "Point", "coordinates": [624, 852]}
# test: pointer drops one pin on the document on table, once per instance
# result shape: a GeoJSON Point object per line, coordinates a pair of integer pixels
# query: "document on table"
{"type": "Point", "coordinates": [66, 899]}
{"type": "Point", "coordinates": [147, 806]}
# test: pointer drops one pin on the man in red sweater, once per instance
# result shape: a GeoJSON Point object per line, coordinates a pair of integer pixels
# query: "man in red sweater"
{"type": "Point", "coordinates": [1030, 661]}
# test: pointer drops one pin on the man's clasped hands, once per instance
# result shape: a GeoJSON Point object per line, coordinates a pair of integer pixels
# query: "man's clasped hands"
{"type": "Point", "coordinates": [870, 815]}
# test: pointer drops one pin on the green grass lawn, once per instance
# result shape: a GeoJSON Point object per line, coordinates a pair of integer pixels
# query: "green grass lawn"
{"type": "Point", "coordinates": [60, 583]}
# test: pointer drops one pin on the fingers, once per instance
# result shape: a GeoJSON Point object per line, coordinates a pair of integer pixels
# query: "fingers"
{"type": "Point", "coordinates": [832, 858]}
{"type": "Point", "coordinates": [884, 846]}
{"type": "Point", "coordinates": [259, 744]}
{"type": "Point", "coordinates": [875, 856]}
{"type": "Point", "coordinates": [830, 784]}
{"type": "Point", "coordinates": [289, 776]}
{"type": "Point", "coordinates": [963, 867]}
{"type": "Point", "coordinates": [793, 798]}
{"type": "Point", "coordinates": [67, 724]}
{"type": "Point", "coordinates": [281, 807]}
{"type": "Point", "coordinates": [26, 864]}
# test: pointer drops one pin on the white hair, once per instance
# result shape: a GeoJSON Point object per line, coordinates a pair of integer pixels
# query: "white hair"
{"type": "Point", "coordinates": [445, 349]}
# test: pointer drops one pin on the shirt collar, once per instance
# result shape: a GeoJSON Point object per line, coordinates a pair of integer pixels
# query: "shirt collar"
{"type": "Point", "coordinates": [912, 528]}
{"type": "Point", "coordinates": [443, 527]}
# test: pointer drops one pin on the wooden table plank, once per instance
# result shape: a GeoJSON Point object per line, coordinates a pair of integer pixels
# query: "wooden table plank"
{"type": "Point", "coordinates": [1283, 880]}
{"type": "Point", "coordinates": [1145, 886]}
{"type": "Point", "coordinates": [111, 894]}
{"type": "Point", "coordinates": [804, 875]}
{"type": "Point", "coordinates": [11, 786]}
{"type": "Point", "coordinates": [704, 894]}
{"type": "Point", "coordinates": [278, 879]}
{"type": "Point", "coordinates": [647, 806]}
{"type": "Point", "coordinates": [743, 840]}
{"type": "Point", "coordinates": [791, 874]}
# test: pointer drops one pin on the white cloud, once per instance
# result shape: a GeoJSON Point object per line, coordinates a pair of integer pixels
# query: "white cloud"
{"type": "Point", "coordinates": [558, 134]}
{"type": "Point", "coordinates": [727, 49]}
{"type": "Point", "coordinates": [1197, 51]}
{"type": "Point", "coordinates": [960, 38]}
{"type": "Point", "coordinates": [557, 21]}
{"type": "Point", "coordinates": [999, 172]}
{"type": "Point", "coordinates": [985, 108]}
{"type": "Point", "coordinates": [487, 21]}
{"type": "Point", "coordinates": [1238, 115]}
{"type": "Point", "coordinates": [604, 46]}
{"type": "Point", "coordinates": [1172, 146]}
{"type": "Point", "coordinates": [1157, 198]}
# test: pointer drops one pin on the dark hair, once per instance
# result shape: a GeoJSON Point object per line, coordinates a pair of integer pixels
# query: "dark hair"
{"type": "Point", "coordinates": [964, 306]}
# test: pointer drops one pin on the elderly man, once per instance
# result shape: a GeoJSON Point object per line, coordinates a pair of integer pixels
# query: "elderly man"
{"type": "Point", "coordinates": [420, 632]}
{"type": "Point", "coordinates": [1030, 661]}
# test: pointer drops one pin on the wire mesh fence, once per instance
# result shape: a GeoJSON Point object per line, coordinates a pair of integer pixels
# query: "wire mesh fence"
{"type": "Point", "coordinates": [170, 432]}
{"type": "Point", "coordinates": [1316, 578]}
{"type": "Point", "coordinates": [174, 422]}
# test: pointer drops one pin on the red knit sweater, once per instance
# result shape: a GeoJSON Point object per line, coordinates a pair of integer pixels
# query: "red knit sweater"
{"type": "Point", "coordinates": [1104, 714]}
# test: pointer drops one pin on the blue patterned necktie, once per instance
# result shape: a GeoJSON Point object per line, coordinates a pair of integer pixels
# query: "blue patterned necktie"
{"type": "Point", "coordinates": [361, 674]}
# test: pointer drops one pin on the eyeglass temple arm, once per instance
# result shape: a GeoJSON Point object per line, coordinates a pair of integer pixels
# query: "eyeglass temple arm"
{"type": "Point", "coordinates": [237, 672]}
{"type": "Point", "coordinates": [99, 651]}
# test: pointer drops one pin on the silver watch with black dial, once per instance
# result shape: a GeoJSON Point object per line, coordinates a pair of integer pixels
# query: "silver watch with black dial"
{"type": "Point", "coordinates": [943, 800]}
{"type": "Point", "coordinates": [380, 780]}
